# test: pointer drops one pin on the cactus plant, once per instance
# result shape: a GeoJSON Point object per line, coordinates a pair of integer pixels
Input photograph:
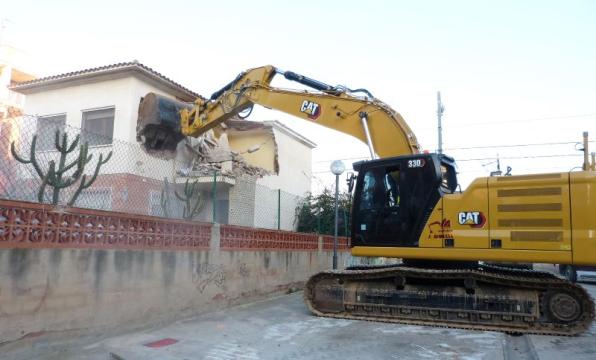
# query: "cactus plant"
{"type": "Point", "coordinates": [55, 176]}
{"type": "Point", "coordinates": [191, 191]}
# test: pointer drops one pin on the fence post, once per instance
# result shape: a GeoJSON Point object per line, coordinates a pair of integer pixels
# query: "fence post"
{"type": "Point", "coordinates": [319, 224]}
{"type": "Point", "coordinates": [345, 222]}
{"type": "Point", "coordinates": [214, 194]}
{"type": "Point", "coordinates": [278, 209]}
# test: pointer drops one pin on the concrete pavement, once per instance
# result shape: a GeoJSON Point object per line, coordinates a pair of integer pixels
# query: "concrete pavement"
{"type": "Point", "coordinates": [282, 328]}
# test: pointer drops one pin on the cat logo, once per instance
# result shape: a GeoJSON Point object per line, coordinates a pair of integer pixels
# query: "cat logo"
{"type": "Point", "coordinates": [311, 108]}
{"type": "Point", "coordinates": [475, 219]}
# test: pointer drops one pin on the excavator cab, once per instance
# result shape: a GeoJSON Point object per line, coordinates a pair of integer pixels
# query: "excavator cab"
{"type": "Point", "coordinates": [395, 196]}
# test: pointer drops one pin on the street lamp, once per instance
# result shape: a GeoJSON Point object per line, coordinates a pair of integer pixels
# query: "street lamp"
{"type": "Point", "coordinates": [337, 168]}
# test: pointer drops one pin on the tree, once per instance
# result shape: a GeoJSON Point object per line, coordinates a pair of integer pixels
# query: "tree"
{"type": "Point", "coordinates": [316, 213]}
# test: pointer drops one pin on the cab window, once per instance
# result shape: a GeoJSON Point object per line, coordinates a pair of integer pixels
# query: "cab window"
{"type": "Point", "coordinates": [380, 189]}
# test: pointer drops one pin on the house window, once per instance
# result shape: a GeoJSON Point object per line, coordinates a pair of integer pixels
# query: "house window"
{"type": "Point", "coordinates": [98, 126]}
{"type": "Point", "coordinates": [46, 130]}
{"type": "Point", "coordinates": [95, 198]}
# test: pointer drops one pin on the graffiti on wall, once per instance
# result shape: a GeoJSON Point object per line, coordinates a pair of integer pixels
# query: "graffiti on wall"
{"type": "Point", "coordinates": [205, 274]}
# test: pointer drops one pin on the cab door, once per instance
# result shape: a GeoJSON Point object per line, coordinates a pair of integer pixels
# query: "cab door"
{"type": "Point", "coordinates": [378, 217]}
{"type": "Point", "coordinates": [393, 200]}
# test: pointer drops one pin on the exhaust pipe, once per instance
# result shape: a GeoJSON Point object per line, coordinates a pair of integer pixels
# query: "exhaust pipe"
{"type": "Point", "coordinates": [586, 165]}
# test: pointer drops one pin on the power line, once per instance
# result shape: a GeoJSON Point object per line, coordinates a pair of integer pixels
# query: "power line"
{"type": "Point", "coordinates": [517, 145]}
{"type": "Point", "coordinates": [516, 170]}
{"type": "Point", "coordinates": [534, 119]}
{"type": "Point", "coordinates": [519, 157]}
{"type": "Point", "coordinates": [562, 117]}
{"type": "Point", "coordinates": [475, 147]}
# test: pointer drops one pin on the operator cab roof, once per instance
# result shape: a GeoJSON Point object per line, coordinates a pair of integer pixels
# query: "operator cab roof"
{"type": "Point", "coordinates": [437, 158]}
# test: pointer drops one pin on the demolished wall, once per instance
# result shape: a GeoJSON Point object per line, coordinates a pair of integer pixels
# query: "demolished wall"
{"type": "Point", "coordinates": [238, 148]}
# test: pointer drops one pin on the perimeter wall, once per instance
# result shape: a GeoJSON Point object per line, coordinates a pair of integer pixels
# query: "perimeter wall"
{"type": "Point", "coordinates": [70, 269]}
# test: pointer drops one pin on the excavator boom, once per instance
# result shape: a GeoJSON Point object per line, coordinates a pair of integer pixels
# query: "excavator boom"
{"type": "Point", "coordinates": [406, 205]}
{"type": "Point", "coordinates": [363, 117]}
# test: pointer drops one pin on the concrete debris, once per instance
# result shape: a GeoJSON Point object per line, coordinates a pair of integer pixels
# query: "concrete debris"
{"type": "Point", "coordinates": [236, 124]}
{"type": "Point", "coordinates": [212, 152]}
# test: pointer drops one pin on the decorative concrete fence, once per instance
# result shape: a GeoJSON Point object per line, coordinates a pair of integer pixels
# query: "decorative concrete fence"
{"type": "Point", "coordinates": [70, 269]}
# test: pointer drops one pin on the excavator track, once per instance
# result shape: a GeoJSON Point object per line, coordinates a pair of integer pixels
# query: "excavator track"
{"type": "Point", "coordinates": [485, 298]}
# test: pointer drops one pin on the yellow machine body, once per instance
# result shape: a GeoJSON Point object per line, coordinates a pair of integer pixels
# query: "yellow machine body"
{"type": "Point", "coordinates": [542, 218]}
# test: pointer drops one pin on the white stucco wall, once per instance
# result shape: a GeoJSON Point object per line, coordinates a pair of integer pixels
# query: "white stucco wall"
{"type": "Point", "coordinates": [295, 165]}
{"type": "Point", "coordinates": [124, 95]}
{"type": "Point", "coordinates": [5, 71]}
{"type": "Point", "coordinates": [294, 181]}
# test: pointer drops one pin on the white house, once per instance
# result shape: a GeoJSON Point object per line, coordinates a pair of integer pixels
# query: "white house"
{"type": "Point", "coordinates": [103, 101]}
{"type": "Point", "coordinates": [15, 66]}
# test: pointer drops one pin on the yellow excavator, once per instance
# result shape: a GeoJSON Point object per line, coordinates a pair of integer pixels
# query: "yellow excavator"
{"type": "Point", "coordinates": [407, 205]}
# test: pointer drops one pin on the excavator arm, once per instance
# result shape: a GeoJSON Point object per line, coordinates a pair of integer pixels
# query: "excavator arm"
{"type": "Point", "coordinates": [361, 116]}
{"type": "Point", "coordinates": [406, 206]}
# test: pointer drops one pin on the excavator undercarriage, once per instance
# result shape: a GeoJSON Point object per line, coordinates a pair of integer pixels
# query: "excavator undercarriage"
{"type": "Point", "coordinates": [485, 298]}
{"type": "Point", "coordinates": [408, 205]}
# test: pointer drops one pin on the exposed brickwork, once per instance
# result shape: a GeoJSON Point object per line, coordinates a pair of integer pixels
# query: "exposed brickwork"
{"type": "Point", "coordinates": [30, 225]}
{"type": "Point", "coordinates": [343, 243]}
{"type": "Point", "coordinates": [129, 193]}
{"type": "Point", "coordinates": [241, 238]}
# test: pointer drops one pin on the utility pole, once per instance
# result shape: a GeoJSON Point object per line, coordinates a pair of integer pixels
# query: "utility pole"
{"type": "Point", "coordinates": [498, 172]}
{"type": "Point", "coordinates": [440, 110]}
{"type": "Point", "coordinates": [586, 165]}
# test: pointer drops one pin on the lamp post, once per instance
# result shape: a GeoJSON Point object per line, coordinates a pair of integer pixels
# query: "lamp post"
{"type": "Point", "coordinates": [337, 168]}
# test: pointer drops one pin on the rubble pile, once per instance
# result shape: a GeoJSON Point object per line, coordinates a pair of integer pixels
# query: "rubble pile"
{"type": "Point", "coordinates": [209, 153]}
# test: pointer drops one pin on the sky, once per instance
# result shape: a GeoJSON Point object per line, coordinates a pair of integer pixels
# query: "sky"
{"type": "Point", "coordinates": [509, 72]}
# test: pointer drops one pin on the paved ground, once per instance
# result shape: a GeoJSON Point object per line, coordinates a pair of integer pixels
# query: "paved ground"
{"type": "Point", "coordinates": [282, 328]}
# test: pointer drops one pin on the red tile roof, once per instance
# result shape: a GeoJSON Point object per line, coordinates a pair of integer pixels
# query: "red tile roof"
{"type": "Point", "coordinates": [98, 71]}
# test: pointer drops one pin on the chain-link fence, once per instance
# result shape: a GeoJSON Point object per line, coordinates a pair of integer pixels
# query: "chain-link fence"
{"type": "Point", "coordinates": [44, 160]}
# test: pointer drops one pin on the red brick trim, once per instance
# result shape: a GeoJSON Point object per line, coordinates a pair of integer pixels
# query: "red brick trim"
{"type": "Point", "coordinates": [32, 225]}
{"type": "Point", "coordinates": [343, 243]}
{"type": "Point", "coordinates": [242, 238]}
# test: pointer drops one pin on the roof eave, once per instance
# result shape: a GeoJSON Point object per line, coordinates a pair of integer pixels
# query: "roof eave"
{"type": "Point", "coordinates": [75, 79]}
